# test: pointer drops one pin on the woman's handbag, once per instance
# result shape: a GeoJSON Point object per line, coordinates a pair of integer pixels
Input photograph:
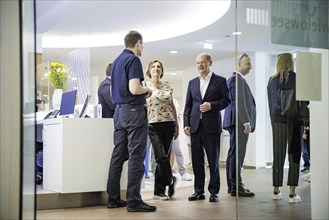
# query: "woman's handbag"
{"type": "Point", "coordinates": [289, 105]}
{"type": "Point", "coordinates": [304, 111]}
{"type": "Point", "coordinates": [288, 102]}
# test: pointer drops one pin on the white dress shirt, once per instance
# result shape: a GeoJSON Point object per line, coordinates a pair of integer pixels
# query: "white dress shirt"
{"type": "Point", "coordinates": [204, 84]}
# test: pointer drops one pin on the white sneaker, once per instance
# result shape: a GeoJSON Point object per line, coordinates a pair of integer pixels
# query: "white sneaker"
{"type": "Point", "coordinates": [277, 196]}
{"type": "Point", "coordinates": [161, 197]}
{"type": "Point", "coordinates": [186, 177]}
{"type": "Point", "coordinates": [307, 177]}
{"type": "Point", "coordinates": [295, 199]}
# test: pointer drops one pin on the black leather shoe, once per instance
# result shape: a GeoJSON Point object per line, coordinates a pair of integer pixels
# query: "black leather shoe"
{"type": "Point", "coordinates": [243, 193]}
{"type": "Point", "coordinates": [196, 196]}
{"type": "Point", "coordinates": [229, 190]}
{"type": "Point", "coordinates": [120, 204]}
{"type": "Point", "coordinates": [143, 207]}
{"type": "Point", "coordinates": [214, 198]}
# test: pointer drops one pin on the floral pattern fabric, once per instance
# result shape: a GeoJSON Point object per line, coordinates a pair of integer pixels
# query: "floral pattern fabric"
{"type": "Point", "coordinates": [159, 104]}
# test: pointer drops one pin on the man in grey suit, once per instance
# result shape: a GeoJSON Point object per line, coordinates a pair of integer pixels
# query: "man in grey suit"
{"type": "Point", "coordinates": [239, 127]}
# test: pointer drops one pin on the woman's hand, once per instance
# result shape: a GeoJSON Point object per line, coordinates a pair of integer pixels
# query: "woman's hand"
{"type": "Point", "coordinates": [176, 131]}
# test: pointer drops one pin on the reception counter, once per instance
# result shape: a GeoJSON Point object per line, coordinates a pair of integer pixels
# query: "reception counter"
{"type": "Point", "coordinates": [77, 154]}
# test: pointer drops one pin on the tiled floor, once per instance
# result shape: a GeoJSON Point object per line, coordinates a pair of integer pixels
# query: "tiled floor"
{"type": "Point", "coordinates": [260, 207]}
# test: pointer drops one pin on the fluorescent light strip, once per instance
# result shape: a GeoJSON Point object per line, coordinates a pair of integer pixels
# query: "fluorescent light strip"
{"type": "Point", "coordinates": [257, 16]}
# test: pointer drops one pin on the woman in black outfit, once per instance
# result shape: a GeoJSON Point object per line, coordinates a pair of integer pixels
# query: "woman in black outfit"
{"type": "Point", "coordinates": [286, 126]}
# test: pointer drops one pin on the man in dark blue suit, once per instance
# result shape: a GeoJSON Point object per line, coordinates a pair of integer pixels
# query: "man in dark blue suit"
{"type": "Point", "coordinates": [239, 128]}
{"type": "Point", "coordinates": [206, 96]}
{"type": "Point", "coordinates": [104, 95]}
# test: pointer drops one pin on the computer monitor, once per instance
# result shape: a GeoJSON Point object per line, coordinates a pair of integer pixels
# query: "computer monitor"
{"type": "Point", "coordinates": [84, 108]}
{"type": "Point", "coordinates": [68, 103]}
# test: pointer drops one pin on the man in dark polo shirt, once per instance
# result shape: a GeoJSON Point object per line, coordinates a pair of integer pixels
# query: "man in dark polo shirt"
{"type": "Point", "coordinates": [104, 95]}
{"type": "Point", "coordinates": [130, 125]}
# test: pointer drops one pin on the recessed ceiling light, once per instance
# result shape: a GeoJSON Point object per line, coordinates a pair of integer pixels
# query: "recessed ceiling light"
{"type": "Point", "coordinates": [173, 51]}
{"type": "Point", "coordinates": [237, 33]}
{"type": "Point", "coordinates": [173, 74]}
{"type": "Point", "coordinates": [207, 45]}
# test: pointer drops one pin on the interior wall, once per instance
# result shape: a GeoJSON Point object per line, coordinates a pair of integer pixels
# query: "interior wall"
{"type": "Point", "coordinates": [10, 108]}
{"type": "Point", "coordinates": [260, 82]}
{"type": "Point", "coordinates": [178, 93]}
{"type": "Point", "coordinates": [319, 142]}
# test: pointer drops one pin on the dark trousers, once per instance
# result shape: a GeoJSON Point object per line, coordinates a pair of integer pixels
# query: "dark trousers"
{"type": "Point", "coordinates": [286, 135]}
{"type": "Point", "coordinates": [306, 153]}
{"type": "Point", "coordinates": [130, 124]}
{"type": "Point", "coordinates": [203, 142]}
{"type": "Point", "coordinates": [306, 149]}
{"type": "Point", "coordinates": [161, 135]}
{"type": "Point", "coordinates": [233, 173]}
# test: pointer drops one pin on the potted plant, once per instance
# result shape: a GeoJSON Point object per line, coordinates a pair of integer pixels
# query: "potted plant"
{"type": "Point", "coordinates": [57, 76]}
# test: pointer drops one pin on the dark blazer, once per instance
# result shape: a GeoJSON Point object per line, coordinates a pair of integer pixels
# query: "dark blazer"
{"type": "Point", "coordinates": [216, 94]}
{"type": "Point", "coordinates": [274, 89]}
{"type": "Point", "coordinates": [246, 104]}
{"type": "Point", "coordinates": [105, 99]}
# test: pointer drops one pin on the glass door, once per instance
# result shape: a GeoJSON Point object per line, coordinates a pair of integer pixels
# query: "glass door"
{"type": "Point", "coordinates": [17, 110]}
{"type": "Point", "coordinates": [29, 108]}
{"type": "Point", "coordinates": [279, 37]}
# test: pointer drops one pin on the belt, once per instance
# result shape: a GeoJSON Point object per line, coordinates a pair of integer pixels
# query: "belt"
{"type": "Point", "coordinates": [122, 105]}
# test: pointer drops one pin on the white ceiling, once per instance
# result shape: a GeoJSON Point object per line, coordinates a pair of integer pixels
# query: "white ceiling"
{"type": "Point", "coordinates": [65, 18]}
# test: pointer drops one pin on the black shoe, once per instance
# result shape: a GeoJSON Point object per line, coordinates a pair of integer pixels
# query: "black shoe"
{"type": "Point", "coordinates": [305, 170]}
{"type": "Point", "coordinates": [143, 207]}
{"type": "Point", "coordinates": [196, 196]}
{"type": "Point", "coordinates": [120, 204]}
{"type": "Point", "coordinates": [214, 198]}
{"type": "Point", "coordinates": [229, 190]}
{"type": "Point", "coordinates": [243, 193]}
{"type": "Point", "coordinates": [172, 187]}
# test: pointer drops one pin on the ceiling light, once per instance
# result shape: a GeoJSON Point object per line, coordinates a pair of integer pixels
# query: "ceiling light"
{"type": "Point", "coordinates": [173, 51]}
{"type": "Point", "coordinates": [173, 74]}
{"type": "Point", "coordinates": [179, 20]}
{"type": "Point", "coordinates": [237, 33]}
{"type": "Point", "coordinates": [207, 45]}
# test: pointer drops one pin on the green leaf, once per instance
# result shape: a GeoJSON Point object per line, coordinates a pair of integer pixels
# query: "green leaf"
{"type": "Point", "coordinates": [57, 75]}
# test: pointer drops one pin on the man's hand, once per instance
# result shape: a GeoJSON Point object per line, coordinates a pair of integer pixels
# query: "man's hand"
{"type": "Point", "coordinates": [247, 128]}
{"type": "Point", "coordinates": [204, 107]}
{"type": "Point", "coordinates": [187, 130]}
